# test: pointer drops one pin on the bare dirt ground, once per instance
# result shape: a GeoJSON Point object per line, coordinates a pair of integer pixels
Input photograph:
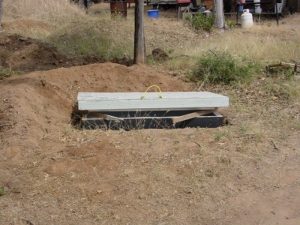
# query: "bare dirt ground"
{"type": "Point", "coordinates": [244, 173]}
{"type": "Point", "coordinates": [247, 172]}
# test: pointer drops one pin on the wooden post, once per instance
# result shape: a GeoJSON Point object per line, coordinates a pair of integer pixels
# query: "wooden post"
{"type": "Point", "coordinates": [219, 14]}
{"type": "Point", "coordinates": [276, 11]}
{"type": "Point", "coordinates": [139, 37]}
{"type": "Point", "coordinates": [1, 11]}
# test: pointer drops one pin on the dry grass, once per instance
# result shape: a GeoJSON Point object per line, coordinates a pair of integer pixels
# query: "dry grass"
{"type": "Point", "coordinates": [38, 19]}
{"type": "Point", "coordinates": [68, 27]}
{"type": "Point", "coordinates": [51, 11]}
{"type": "Point", "coordinates": [265, 42]}
{"type": "Point", "coordinates": [93, 38]}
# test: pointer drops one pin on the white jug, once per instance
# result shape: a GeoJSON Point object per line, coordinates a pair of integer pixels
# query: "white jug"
{"type": "Point", "coordinates": [246, 19]}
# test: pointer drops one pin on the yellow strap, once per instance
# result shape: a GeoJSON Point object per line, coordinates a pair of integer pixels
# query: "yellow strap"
{"type": "Point", "coordinates": [152, 86]}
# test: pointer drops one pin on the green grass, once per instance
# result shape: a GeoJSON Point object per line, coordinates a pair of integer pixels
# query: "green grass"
{"type": "Point", "coordinates": [221, 67]}
{"type": "Point", "coordinates": [180, 63]}
{"type": "Point", "coordinates": [201, 22]}
{"type": "Point", "coordinates": [230, 23]}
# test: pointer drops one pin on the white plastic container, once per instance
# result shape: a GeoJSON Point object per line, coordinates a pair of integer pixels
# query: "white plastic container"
{"type": "Point", "coordinates": [257, 7]}
{"type": "Point", "coordinates": [246, 19]}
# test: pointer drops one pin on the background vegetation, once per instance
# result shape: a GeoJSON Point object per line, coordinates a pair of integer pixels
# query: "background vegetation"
{"type": "Point", "coordinates": [201, 22]}
{"type": "Point", "coordinates": [57, 21]}
{"type": "Point", "coordinates": [222, 67]}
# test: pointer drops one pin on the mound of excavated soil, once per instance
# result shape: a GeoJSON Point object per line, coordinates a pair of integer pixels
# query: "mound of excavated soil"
{"type": "Point", "coordinates": [26, 55]}
{"type": "Point", "coordinates": [41, 100]}
{"type": "Point", "coordinates": [40, 104]}
{"type": "Point", "coordinates": [35, 112]}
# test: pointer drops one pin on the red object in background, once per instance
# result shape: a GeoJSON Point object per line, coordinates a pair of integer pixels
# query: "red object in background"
{"type": "Point", "coordinates": [118, 8]}
{"type": "Point", "coordinates": [183, 1]}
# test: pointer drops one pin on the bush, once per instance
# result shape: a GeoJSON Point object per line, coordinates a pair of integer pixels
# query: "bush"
{"type": "Point", "coordinates": [222, 67]}
{"type": "Point", "coordinates": [201, 22]}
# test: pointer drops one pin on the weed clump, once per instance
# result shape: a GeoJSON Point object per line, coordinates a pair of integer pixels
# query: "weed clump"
{"type": "Point", "coordinates": [6, 72]}
{"type": "Point", "coordinates": [223, 68]}
{"type": "Point", "coordinates": [230, 24]}
{"type": "Point", "coordinates": [201, 22]}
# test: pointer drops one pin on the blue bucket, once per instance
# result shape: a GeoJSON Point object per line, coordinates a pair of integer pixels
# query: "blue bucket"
{"type": "Point", "coordinates": [153, 13]}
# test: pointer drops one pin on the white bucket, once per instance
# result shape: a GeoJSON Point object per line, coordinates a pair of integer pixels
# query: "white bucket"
{"type": "Point", "coordinates": [246, 19]}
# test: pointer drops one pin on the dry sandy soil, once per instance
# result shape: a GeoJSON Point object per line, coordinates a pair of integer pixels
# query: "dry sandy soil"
{"type": "Point", "coordinates": [247, 172]}
{"type": "Point", "coordinates": [244, 173]}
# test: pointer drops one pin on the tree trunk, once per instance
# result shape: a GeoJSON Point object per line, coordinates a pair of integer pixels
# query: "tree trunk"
{"type": "Point", "coordinates": [219, 12]}
{"type": "Point", "coordinates": [1, 11]}
{"type": "Point", "coordinates": [139, 37]}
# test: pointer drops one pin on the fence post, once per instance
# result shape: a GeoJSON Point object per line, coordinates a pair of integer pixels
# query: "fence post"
{"type": "Point", "coordinates": [139, 36]}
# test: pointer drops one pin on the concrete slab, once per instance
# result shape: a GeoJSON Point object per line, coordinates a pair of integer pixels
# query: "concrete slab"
{"type": "Point", "coordinates": [150, 101]}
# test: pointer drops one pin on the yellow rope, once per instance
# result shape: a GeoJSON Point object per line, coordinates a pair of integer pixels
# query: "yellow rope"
{"type": "Point", "coordinates": [152, 86]}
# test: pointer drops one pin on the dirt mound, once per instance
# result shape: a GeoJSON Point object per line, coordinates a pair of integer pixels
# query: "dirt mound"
{"type": "Point", "coordinates": [26, 55]}
{"type": "Point", "coordinates": [40, 99]}
{"type": "Point", "coordinates": [35, 112]}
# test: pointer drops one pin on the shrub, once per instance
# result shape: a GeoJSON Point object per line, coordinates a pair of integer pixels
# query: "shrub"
{"type": "Point", "coordinates": [201, 22]}
{"type": "Point", "coordinates": [222, 67]}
